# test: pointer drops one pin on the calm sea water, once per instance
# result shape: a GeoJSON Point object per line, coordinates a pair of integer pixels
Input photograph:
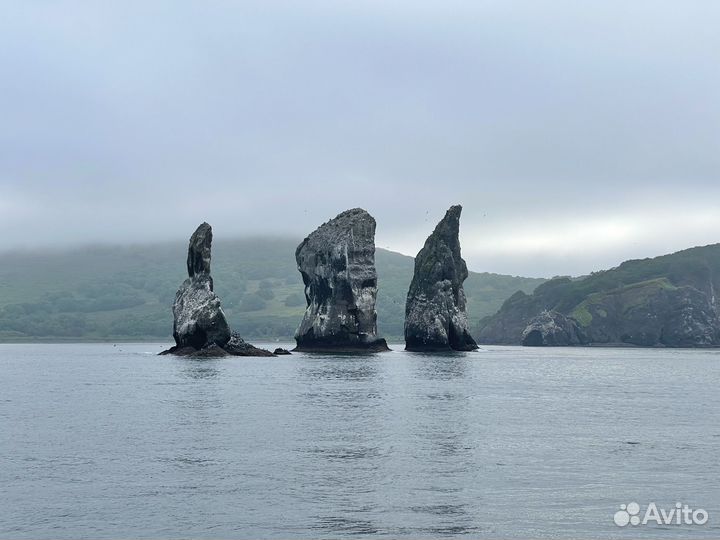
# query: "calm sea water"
{"type": "Point", "coordinates": [112, 441]}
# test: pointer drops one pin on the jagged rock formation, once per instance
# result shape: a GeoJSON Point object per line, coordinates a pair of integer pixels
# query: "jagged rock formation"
{"type": "Point", "coordinates": [199, 318]}
{"type": "Point", "coordinates": [551, 328]}
{"type": "Point", "coordinates": [667, 301]}
{"type": "Point", "coordinates": [337, 263]}
{"type": "Point", "coordinates": [237, 346]}
{"type": "Point", "coordinates": [435, 317]}
{"type": "Point", "coordinates": [199, 251]}
{"type": "Point", "coordinates": [200, 327]}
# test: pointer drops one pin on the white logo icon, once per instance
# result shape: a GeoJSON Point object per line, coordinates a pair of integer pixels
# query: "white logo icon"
{"type": "Point", "coordinates": [680, 514]}
{"type": "Point", "coordinates": [627, 514]}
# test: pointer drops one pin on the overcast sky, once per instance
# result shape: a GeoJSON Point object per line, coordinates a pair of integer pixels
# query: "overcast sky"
{"type": "Point", "coordinates": [575, 134]}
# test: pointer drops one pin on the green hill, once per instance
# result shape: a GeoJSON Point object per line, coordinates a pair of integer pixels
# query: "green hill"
{"type": "Point", "coordinates": [126, 292]}
{"type": "Point", "coordinates": [664, 301]}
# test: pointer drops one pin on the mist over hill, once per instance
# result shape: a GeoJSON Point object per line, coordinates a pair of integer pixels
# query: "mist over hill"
{"type": "Point", "coordinates": [126, 292]}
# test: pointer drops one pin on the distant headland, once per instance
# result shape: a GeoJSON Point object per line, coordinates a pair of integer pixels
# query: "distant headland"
{"type": "Point", "coordinates": [666, 301]}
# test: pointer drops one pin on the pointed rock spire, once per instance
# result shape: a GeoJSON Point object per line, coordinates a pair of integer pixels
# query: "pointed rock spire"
{"type": "Point", "coordinates": [199, 320]}
{"type": "Point", "coordinates": [198, 259]}
{"type": "Point", "coordinates": [435, 316]}
{"type": "Point", "coordinates": [200, 327]}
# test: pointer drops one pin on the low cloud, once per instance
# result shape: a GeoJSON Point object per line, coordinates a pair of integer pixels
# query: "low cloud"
{"type": "Point", "coordinates": [574, 135]}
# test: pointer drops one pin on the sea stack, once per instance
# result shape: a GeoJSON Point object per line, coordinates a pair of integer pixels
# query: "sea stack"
{"type": "Point", "coordinates": [337, 263]}
{"type": "Point", "coordinates": [200, 327]}
{"type": "Point", "coordinates": [199, 318]}
{"type": "Point", "coordinates": [552, 329]}
{"type": "Point", "coordinates": [435, 317]}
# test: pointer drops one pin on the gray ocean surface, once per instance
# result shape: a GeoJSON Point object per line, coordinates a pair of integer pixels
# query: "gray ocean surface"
{"type": "Point", "coordinates": [112, 441]}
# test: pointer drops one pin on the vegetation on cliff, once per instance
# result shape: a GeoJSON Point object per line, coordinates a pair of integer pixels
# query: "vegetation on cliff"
{"type": "Point", "coordinates": [663, 301]}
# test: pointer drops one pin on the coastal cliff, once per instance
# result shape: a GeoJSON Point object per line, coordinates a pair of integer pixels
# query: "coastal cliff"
{"type": "Point", "coordinates": [667, 301]}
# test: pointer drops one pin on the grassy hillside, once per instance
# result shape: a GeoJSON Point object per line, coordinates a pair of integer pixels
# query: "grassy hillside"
{"type": "Point", "coordinates": [698, 266]}
{"type": "Point", "coordinates": [606, 303]}
{"type": "Point", "coordinates": [126, 292]}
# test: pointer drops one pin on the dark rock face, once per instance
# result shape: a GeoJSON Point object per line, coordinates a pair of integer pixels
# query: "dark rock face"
{"type": "Point", "coordinates": [237, 346]}
{"type": "Point", "coordinates": [337, 263]}
{"type": "Point", "coordinates": [200, 328]}
{"type": "Point", "coordinates": [199, 318]}
{"type": "Point", "coordinates": [653, 314]}
{"type": "Point", "coordinates": [667, 301]}
{"type": "Point", "coordinates": [199, 251]}
{"type": "Point", "coordinates": [435, 316]}
{"type": "Point", "coordinates": [692, 320]}
{"type": "Point", "coordinates": [507, 325]}
{"type": "Point", "coordinates": [551, 328]}
{"type": "Point", "coordinates": [279, 351]}
{"type": "Point", "coordinates": [211, 351]}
